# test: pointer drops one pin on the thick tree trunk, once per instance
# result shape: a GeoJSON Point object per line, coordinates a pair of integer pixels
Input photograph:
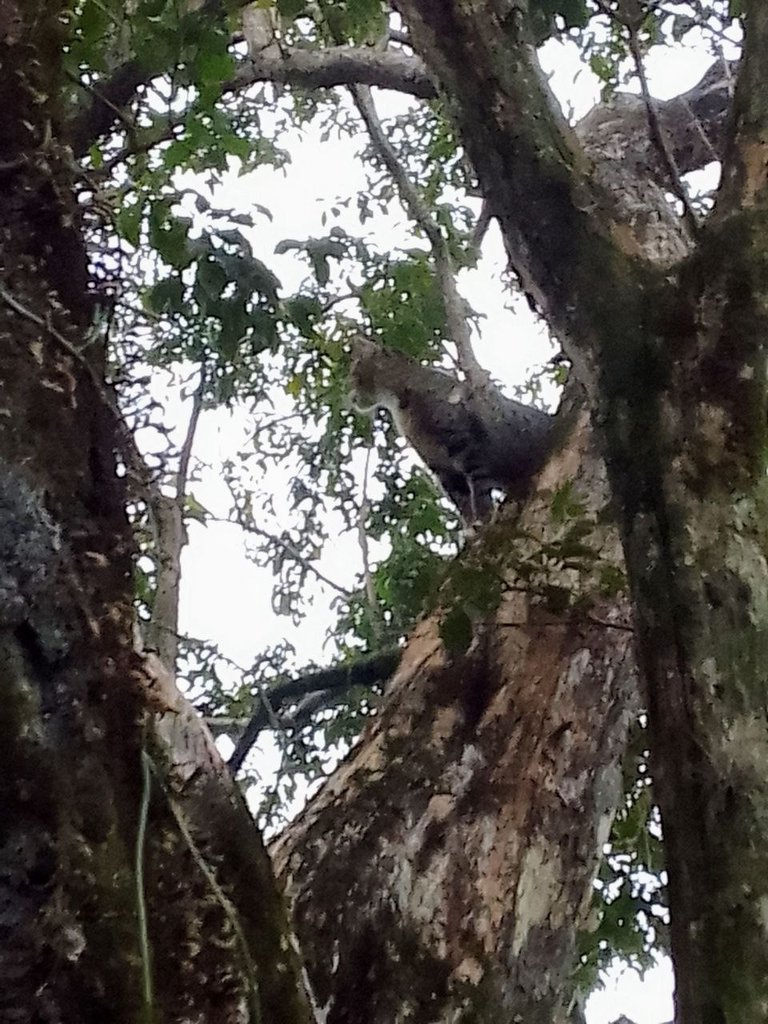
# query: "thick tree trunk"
{"type": "Point", "coordinates": [444, 871]}
{"type": "Point", "coordinates": [676, 364]}
{"type": "Point", "coordinates": [77, 753]}
{"type": "Point", "coordinates": [442, 874]}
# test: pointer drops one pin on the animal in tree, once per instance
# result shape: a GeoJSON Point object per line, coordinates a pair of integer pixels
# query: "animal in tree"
{"type": "Point", "coordinates": [472, 437]}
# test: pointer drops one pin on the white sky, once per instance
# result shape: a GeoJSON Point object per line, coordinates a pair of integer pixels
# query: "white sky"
{"type": "Point", "coordinates": [226, 598]}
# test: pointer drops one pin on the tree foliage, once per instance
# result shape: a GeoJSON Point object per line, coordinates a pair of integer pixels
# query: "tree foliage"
{"type": "Point", "coordinates": [165, 104]}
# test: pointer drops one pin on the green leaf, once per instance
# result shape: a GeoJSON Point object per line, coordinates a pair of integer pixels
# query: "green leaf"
{"type": "Point", "coordinates": [214, 68]}
{"type": "Point", "coordinates": [128, 223]}
{"type": "Point", "coordinates": [168, 234]}
{"type": "Point", "coordinates": [237, 145]}
{"type": "Point", "coordinates": [456, 630]}
{"type": "Point", "coordinates": [303, 311]}
{"type": "Point", "coordinates": [233, 328]}
{"type": "Point", "coordinates": [291, 9]}
{"type": "Point", "coordinates": [167, 296]}
{"type": "Point", "coordinates": [321, 268]}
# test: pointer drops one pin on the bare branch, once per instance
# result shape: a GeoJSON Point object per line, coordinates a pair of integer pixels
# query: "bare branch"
{"type": "Point", "coordinates": [659, 137]}
{"type": "Point", "coordinates": [338, 65]}
{"type": "Point", "coordinates": [694, 124]}
{"type": "Point", "coordinates": [398, 36]}
{"type": "Point", "coordinates": [455, 307]}
{"type": "Point", "coordinates": [554, 205]}
{"type": "Point", "coordinates": [186, 448]}
{"type": "Point", "coordinates": [309, 69]}
{"type": "Point", "coordinates": [167, 517]}
{"type": "Point", "coordinates": [290, 549]}
{"type": "Point", "coordinates": [370, 586]}
{"type": "Point", "coordinates": [366, 671]}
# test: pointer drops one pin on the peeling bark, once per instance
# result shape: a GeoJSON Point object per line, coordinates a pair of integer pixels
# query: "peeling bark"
{"type": "Point", "coordinates": [443, 872]}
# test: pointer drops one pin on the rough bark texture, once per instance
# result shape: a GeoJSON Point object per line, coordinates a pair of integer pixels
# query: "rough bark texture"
{"type": "Point", "coordinates": [444, 871]}
{"type": "Point", "coordinates": [447, 895]}
{"type": "Point", "coordinates": [442, 874]}
{"type": "Point", "coordinates": [74, 729]}
{"type": "Point", "coordinates": [675, 361]}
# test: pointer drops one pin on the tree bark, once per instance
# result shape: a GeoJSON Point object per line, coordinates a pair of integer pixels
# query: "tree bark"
{"type": "Point", "coordinates": [436, 876]}
{"type": "Point", "coordinates": [672, 349]}
{"type": "Point", "coordinates": [99, 921]}
{"type": "Point", "coordinates": [445, 869]}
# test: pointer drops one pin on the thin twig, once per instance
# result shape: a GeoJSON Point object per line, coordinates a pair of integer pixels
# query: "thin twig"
{"type": "Point", "coordinates": [6, 166]}
{"type": "Point", "coordinates": [659, 138]}
{"type": "Point", "coordinates": [455, 307]}
{"type": "Point", "coordinates": [189, 439]}
{"type": "Point", "coordinates": [143, 145]}
{"type": "Point", "coordinates": [695, 19]}
{"type": "Point", "coordinates": [100, 96]}
{"type": "Point", "coordinates": [135, 463]}
{"type": "Point", "coordinates": [289, 548]}
{"type": "Point", "coordinates": [141, 896]}
{"type": "Point", "coordinates": [657, 133]}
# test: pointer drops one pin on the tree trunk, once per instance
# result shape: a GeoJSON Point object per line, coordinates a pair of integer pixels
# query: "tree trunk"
{"type": "Point", "coordinates": [444, 871]}
{"type": "Point", "coordinates": [675, 361]}
{"type": "Point", "coordinates": [442, 874]}
{"type": "Point", "coordinates": [99, 922]}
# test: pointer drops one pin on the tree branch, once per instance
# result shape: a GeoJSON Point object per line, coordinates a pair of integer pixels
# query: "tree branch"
{"type": "Point", "coordinates": [659, 137]}
{"type": "Point", "coordinates": [362, 536]}
{"type": "Point", "coordinates": [110, 96]}
{"type": "Point", "coordinates": [365, 671]}
{"type": "Point", "coordinates": [558, 222]}
{"type": "Point", "coordinates": [308, 69]}
{"type": "Point", "coordinates": [455, 307]}
{"type": "Point", "coordinates": [167, 517]}
{"type": "Point", "coordinates": [744, 176]}
{"type": "Point", "coordinates": [338, 65]}
{"type": "Point", "coordinates": [694, 124]}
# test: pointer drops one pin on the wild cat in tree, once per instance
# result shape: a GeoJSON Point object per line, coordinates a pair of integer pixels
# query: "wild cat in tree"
{"type": "Point", "coordinates": [473, 438]}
